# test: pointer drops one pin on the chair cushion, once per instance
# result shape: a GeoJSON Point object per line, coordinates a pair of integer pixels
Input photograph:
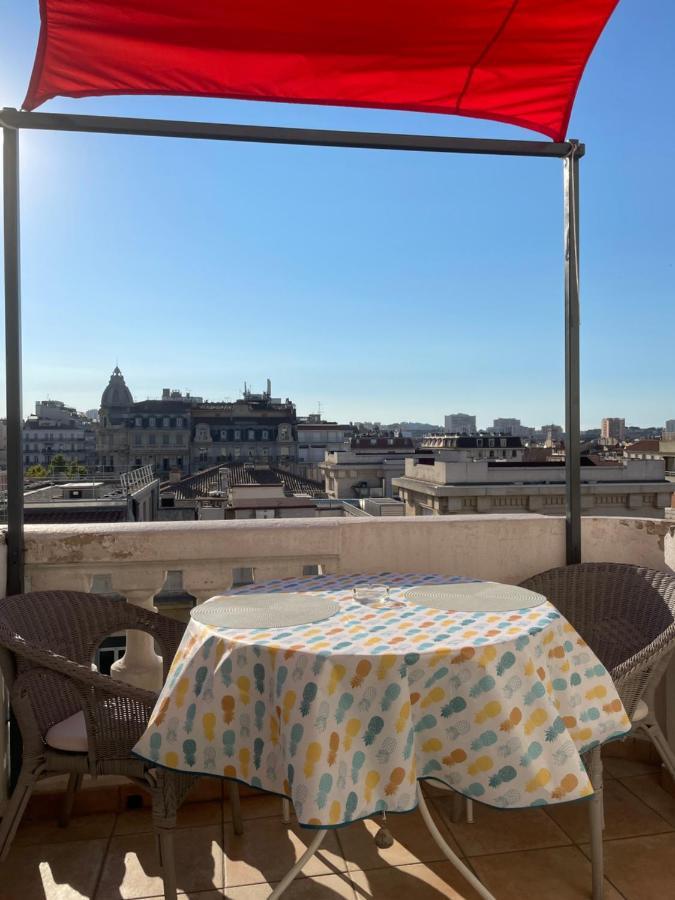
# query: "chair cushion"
{"type": "Point", "coordinates": [70, 735]}
{"type": "Point", "coordinates": [640, 713]}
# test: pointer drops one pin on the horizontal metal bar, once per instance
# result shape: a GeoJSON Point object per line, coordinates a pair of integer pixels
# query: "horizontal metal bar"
{"type": "Point", "coordinates": [264, 134]}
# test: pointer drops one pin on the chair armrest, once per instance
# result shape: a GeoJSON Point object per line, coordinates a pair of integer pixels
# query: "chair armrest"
{"type": "Point", "coordinates": [166, 631]}
{"type": "Point", "coordinates": [83, 675]}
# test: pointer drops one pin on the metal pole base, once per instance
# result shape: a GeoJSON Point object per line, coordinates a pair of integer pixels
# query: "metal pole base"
{"type": "Point", "coordinates": [463, 870]}
{"type": "Point", "coordinates": [293, 871]}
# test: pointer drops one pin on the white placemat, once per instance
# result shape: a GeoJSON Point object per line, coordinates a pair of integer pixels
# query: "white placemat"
{"type": "Point", "coordinates": [478, 596]}
{"type": "Point", "coordinates": [278, 610]}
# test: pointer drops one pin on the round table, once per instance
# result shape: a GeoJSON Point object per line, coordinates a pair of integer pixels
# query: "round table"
{"type": "Point", "coordinates": [344, 716]}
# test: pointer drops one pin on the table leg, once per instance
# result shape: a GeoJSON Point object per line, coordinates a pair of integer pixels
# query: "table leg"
{"type": "Point", "coordinates": [477, 885]}
{"type": "Point", "coordinates": [293, 871]}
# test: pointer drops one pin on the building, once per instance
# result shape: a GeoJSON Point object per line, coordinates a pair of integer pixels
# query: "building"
{"type": "Point", "coordinates": [613, 431]}
{"type": "Point", "coordinates": [182, 433]}
{"type": "Point", "coordinates": [440, 485]}
{"type": "Point", "coordinates": [646, 449]}
{"type": "Point", "coordinates": [368, 468]}
{"type": "Point", "coordinates": [462, 448]}
{"type": "Point", "coordinates": [132, 498]}
{"type": "Point", "coordinates": [460, 423]}
{"type": "Point", "coordinates": [58, 430]}
{"type": "Point", "coordinates": [256, 429]}
{"type": "Point", "coordinates": [152, 433]}
{"type": "Point", "coordinates": [513, 427]}
{"type": "Point", "coordinates": [244, 491]}
{"type": "Point", "coordinates": [670, 428]}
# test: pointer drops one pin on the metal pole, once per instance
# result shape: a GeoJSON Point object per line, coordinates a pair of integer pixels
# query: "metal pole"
{"type": "Point", "coordinates": [10, 171]}
{"type": "Point", "coordinates": [265, 134]}
{"type": "Point", "coordinates": [572, 392]}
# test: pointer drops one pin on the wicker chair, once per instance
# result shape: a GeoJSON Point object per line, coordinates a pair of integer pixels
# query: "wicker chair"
{"type": "Point", "coordinates": [626, 614]}
{"type": "Point", "coordinates": [73, 719]}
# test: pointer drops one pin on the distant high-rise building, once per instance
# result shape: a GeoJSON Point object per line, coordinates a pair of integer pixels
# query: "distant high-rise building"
{"type": "Point", "coordinates": [510, 426]}
{"type": "Point", "coordinates": [613, 430]}
{"type": "Point", "coordinates": [670, 426]}
{"type": "Point", "coordinates": [460, 423]}
{"type": "Point", "coordinates": [552, 434]}
{"type": "Point", "coordinates": [506, 426]}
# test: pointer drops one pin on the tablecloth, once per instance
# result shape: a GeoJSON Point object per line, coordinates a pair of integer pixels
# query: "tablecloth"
{"type": "Point", "coordinates": [345, 715]}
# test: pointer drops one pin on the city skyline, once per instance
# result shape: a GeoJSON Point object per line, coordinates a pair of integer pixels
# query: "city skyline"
{"type": "Point", "coordinates": [236, 393]}
{"type": "Point", "coordinates": [379, 285]}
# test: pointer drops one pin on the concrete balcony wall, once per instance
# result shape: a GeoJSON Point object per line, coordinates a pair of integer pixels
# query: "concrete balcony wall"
{"type": "Point", "coordinates": [208, 557]}
{"type": "Point", "coordinates": [507, 548]}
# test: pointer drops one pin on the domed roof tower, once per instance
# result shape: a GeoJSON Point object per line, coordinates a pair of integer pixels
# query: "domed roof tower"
{"type": "Point", "coordinates": [116, 397]}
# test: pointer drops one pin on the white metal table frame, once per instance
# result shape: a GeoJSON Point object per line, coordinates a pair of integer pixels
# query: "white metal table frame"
{"type": "Point", "coordinates": [447, 851]}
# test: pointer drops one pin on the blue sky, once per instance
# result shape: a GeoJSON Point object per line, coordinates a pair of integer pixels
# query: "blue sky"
{"type": "Point", "coordinates": [385, 286]}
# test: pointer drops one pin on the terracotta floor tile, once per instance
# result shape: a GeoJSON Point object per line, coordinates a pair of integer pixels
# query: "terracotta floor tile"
{"type": "Point", "coordinates": [412, 842]}
{"type": "Point", "coordinates": [623, 768]}
{"type": "Point", "coordinates": [320, 887]}
{"type": "Point", "coordinates": [268, 849]}
{"type": "Point", "coordinates": [625, 816]}
{"type": "Point", "coordinates": [501, 830]}
{"type": "Point", "coordinates": [648, 789]}
{"type": "Point", "coordinates": [641, 867]}
{"type": "Point", "coordinates": [260, 807]}
{"type": "Point", "coordinates": [81, 828]}
{"type": "Point", "coordinates": [54, 871]}
{"type": "Point", "coordinates": [557, 873]}
{"type": "Point", "coordinates": [430, 881]}
{"type": "Point", "coordinates": [131, 869]}
{"type": "Point", "coordinates": [189, 815]}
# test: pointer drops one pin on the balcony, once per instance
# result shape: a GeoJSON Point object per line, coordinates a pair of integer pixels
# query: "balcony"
{"type": "Point", "coordinates": [108, 850]}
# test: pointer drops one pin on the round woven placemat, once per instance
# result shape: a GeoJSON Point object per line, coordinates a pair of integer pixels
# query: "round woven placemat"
{"type": "Point", "coordinates": [279, 610]}
{"type": "Point", "coordinates": [474, 596]}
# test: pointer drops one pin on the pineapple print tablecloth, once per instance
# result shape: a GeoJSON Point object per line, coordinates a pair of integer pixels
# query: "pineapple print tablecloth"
{"type": "Point", "coordinates": [344, 716]}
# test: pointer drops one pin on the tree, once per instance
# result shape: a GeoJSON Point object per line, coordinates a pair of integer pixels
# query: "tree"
{"type": "Point", "coordinates": [36, 471]}
{"type": "Point", "coordinates": [58, 465]}
{"type": "Point", "coordinates": [76, 469]}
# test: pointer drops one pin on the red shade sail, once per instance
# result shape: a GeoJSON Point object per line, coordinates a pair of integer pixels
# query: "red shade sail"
{"type": "Point", "coordinates": [516, 61]}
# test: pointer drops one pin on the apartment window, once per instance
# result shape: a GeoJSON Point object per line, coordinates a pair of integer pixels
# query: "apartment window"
{"type": "Point", "coordinates": [237, 452]}
{"type": "Point", "coordinates": [479, 442]}
{"type": "Point", "coordinates": [237, 435]}
{"type": "Point", "coordinates": [138, 440]}
{"type": "Point", "coordinates": [179, 422]}
{"type": "Point", "coordinates": [153, 440]}
{"type": "Point", "coordinates": [492, 442]}
{"type": "Point", "coordinates": [251, 435]}
{"type": "Point", "coordinates": [151, 421]}
{"type": "Point", "coordinates": [223, 434]}
{"type": "Point", "coordinates": [165, 440]}
{"type": "Point", "coordinates": [502, 442]}
{"type": "Point", "coordinates": [138, 422]}
{"type": "Point", "coordinates": [166, 422]}
{"type": "Point", "coordinates": [513, 453]}
{"type": "Point", "coordinates": [180, 439]}
{"type": "Point", "coordinates": [265, 435]}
